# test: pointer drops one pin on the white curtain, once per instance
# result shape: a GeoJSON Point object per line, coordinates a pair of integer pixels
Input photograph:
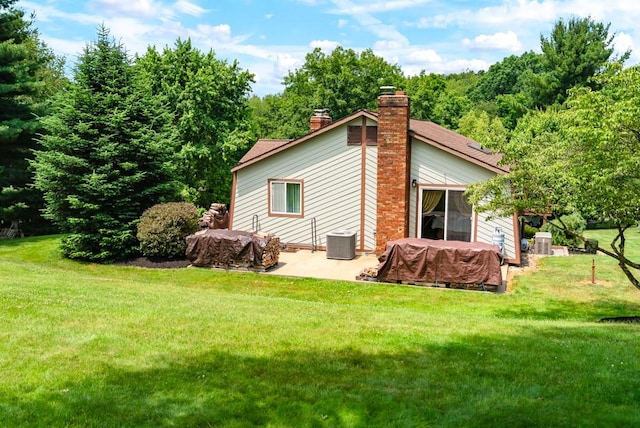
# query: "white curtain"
{"type": "Point", "coordinates": [459, 203]}
{"type": "Point", "coordinates": [278, 198]}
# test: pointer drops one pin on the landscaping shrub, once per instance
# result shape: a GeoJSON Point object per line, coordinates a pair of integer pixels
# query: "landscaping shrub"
{"type": "Point", "coordinates": [163, 228]}
{"type": "Point", "coordinates": [574, 222]}
{"type": "Point", "coordinates": [530, 231]}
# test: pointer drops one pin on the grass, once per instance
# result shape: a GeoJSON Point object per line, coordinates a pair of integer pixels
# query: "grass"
{"type": "Point", "coordinates": [91, 345]}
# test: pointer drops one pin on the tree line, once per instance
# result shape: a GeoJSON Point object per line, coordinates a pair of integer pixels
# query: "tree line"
{"type": "Point", "coordinates": [86, 155]}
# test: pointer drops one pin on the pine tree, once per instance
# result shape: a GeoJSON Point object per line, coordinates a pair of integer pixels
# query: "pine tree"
{"type": "Point", "coordinates": [105, 156]}
{"type": "Point", "coordinates": [29, 72]}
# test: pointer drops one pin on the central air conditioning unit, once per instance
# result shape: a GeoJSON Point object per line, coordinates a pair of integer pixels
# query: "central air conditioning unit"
{"type": "Point", "coordinates": [341, 245]}
{"type": "Point", "coordinates": [542, 243]}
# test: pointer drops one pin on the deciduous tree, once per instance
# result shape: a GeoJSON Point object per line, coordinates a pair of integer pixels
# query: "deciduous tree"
{"type": "Point", "coordinates": [208, 100]}
{"type": "Point", "coordinates": [583, 158]}
{"type": "Point", "coordinates": [505, 77]}
{"type": "Point", "coordinates": [342, 82]}
{"type": "Point", "coordinates": [482, 128]}
{"type": "Point", "coordinates": [424, 90]}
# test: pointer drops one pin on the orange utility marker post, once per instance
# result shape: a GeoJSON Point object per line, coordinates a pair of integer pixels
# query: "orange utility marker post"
{"type": "Point", "coordinates": [593, 271]}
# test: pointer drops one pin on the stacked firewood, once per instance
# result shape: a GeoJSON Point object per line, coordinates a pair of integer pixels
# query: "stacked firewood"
{"type": "Point", "coordinates": [232, 249]}
{"type": "Point", "coordinates": [271, 251]}
{"type": "Point", "coordinates": [217, 217]}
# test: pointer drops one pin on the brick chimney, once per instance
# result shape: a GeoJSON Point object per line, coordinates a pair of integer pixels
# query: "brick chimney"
{"type": "Point", "coordinates": [394, 163]}
{"type": "Point", "coordinates": [320, 119]}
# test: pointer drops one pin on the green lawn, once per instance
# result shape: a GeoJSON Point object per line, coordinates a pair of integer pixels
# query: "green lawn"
{"type": "Point", "coordinates": [89, 345]}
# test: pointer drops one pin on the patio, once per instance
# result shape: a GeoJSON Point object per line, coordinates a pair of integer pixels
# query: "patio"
{"type": "Point", "coordinates": [305, 263]}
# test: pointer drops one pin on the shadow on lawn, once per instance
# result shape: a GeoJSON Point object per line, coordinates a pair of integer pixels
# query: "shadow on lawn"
{"type": "Point", "coordinates": [566, 309]}
{"type": "Point", "coordinates": [17, 242]}
{"type": "Point", "coordinates": [541, 377]}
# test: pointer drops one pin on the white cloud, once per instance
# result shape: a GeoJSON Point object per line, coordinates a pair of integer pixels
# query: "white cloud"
{"type": "Point", "coordinates": [51, 14]}
{"type": "Point", "coordinates": [68, 48]}
{"type": "Point", "coordinates": [167, 32]}
{"type": "Point", "coordinates": [438, 65]}
{"type": "Point", "coordinates": [422, 56]}
{"type": "Point", "coordinates": [388, 45]}
{"type": "Point", "coordinates": [458, 65]}
{"type": "Point", "coordinates": [377, 6]}
{"type": "Point", "coordinates": [215, 34]}
{"type": "Point", "coordinates": [325, 45]}
{"type": "Point", "coordinates": [523, 11]}
{"type": "Point", "coordinates": [189, 8]}
{"type": "Point", "coordinates": [133, 8]}
{"type": "Point", "coordinates": [362, 15]}
{"type": "Point", "coordinates": [342, 23]}
{"type": "Point", "coordinates": [131, 32]}
{"type": "Point", "coordinates": [509, 12]}
{"type": "Point", "coordinates": [436, 21]}
{"type": "Point", "coordinates": [285, 63]}
{"type": "Point", "coordinates": [499, 41]}
{"type": "Point", "coordinates": [622, 43]}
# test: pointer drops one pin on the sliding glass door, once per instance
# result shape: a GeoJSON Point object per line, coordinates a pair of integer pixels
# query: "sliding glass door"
{"type": "Point", "coordinates": [445, 214]}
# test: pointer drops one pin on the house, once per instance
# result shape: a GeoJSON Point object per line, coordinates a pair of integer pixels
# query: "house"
{"type": "Point", "coordinates": [382, 176]}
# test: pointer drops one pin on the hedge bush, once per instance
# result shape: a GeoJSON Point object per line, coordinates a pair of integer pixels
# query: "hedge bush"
{"type": "Point", "coordinates": [163, 228]}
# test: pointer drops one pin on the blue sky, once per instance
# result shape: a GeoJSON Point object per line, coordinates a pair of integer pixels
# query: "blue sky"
{"type": "Point", "coordinates": [271, 37]}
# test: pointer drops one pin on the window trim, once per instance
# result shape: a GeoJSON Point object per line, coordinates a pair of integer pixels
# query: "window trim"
{"type": "Point", "coordinates": [272, 213]}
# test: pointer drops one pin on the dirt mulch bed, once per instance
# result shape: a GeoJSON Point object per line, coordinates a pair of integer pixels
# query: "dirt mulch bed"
{"type": "Point", "coordinates": [156, 263]}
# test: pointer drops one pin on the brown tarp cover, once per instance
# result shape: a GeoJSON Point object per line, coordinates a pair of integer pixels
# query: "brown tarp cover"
{"type": "Point", "coordinates": [431, 261]}
{"type": "Point", "coordinates": [225, 247]}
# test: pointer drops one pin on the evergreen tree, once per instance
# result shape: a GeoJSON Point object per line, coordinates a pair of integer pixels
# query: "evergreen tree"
{"type": "Point", "coordinates": [29, 72]}
{"type": "Point", "coordinates": [105, 155]}
{"type": "Point", "coordinates": [574, 52]}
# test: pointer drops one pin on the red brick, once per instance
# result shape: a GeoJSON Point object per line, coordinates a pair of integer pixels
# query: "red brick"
{"type": "Point", "coordinates": [394, 152]}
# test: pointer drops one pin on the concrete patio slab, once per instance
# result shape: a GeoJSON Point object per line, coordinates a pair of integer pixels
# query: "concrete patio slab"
{"type": "Point", "coordinates": [305, 263]}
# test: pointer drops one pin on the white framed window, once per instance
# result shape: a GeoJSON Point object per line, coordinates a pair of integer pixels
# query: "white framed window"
{"type": "Point", "coordinates": [285, 198]}
{"type": "Point", "coordinates": [445, 214]}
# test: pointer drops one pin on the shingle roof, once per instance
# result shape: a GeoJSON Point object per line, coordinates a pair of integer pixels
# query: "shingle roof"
{"type": "Point", "coordinates": [422, 130]}
{"type": "Point", "coordinates": [262, 147]}
{"type": "Point", "coordinates": [454, 143]}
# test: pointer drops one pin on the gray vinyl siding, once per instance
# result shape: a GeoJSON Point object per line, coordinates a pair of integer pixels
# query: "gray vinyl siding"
{"type": "Point", "coordinates": [371, 197]}
{"type": "Point", "coordinates": [486, 229]}
{"type": "Point", "coordinates": [431, 166]}
{"type": "Point", "coordinates": [331, 172]}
